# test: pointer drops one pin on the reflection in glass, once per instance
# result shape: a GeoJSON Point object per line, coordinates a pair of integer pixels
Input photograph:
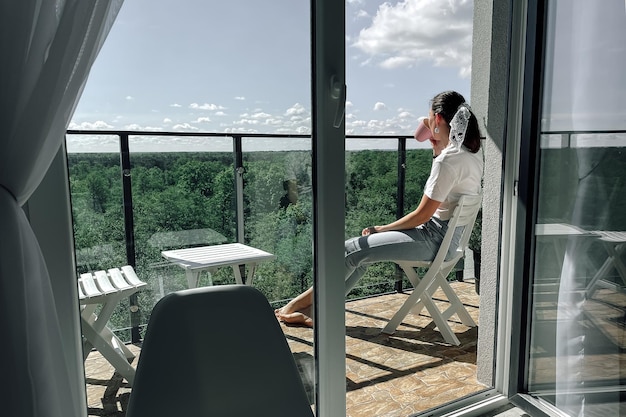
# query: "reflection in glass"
{"type": "Point", "coordinates": [578, 333]}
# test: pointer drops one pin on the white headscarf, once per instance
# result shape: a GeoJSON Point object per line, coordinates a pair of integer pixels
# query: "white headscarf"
{"type": "Point", "coordinates": [458, 125]}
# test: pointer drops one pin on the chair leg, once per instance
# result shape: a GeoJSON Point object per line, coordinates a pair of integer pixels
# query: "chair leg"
{"type": "Point", "coordinates": [440, 322]}
{"type": "Point", "coordinates": [618, 255]}
{"type": "Point", "coordinates": [604, 269]}
{"type": "Point", "coordinates": [112, 349]}
{"type": "Point", "coordinates": [422, 297]}
{"type": "Point", "coordinates": [456, 305]}
{"type": "Point", "coordinates": [415, 281]}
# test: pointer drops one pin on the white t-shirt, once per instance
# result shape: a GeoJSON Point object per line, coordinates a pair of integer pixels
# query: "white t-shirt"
{"type": "Point", "coordinates": [455, 172]}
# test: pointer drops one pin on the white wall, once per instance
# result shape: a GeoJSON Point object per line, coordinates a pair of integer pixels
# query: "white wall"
{"type": "Point", "coordinates": [489, 97]}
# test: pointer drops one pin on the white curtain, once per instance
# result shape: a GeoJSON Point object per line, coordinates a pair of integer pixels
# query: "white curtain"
{"type": "Point", "coordinates": [47, 48]}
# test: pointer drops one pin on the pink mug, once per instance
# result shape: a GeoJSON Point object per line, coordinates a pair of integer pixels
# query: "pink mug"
{"type": "Point", "coordinates": [423, 132]}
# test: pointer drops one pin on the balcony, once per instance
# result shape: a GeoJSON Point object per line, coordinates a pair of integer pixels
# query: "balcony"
{"type": "Point", "coordinates": [411, 371]}
{"type": "Point", "coordinates": [132, 197]}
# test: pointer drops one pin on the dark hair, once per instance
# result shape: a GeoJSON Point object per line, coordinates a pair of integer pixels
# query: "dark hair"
{"type": "Point", "coordinates": [446, 104]}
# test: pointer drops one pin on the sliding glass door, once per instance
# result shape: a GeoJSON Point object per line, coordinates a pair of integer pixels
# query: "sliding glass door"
{"type": "Point", "coordinates": [576, 349]}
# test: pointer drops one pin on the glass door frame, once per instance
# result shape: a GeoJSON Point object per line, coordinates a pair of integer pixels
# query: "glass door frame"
{"type": "Point", "coordinates": [517, 192]}
{"type": "Point", "coordinates": [328, 142]}
{"type": "Point", "coordinates": [523, 214]}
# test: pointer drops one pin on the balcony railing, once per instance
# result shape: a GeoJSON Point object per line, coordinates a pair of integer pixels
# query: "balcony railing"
{"type": "Point", "coordinates": [239, 170]}
{"type": "Point", "coordinates": [239, 177]}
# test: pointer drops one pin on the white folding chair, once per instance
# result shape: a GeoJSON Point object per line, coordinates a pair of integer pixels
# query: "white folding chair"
{"type": "Point", "coordinates": [464, 215]}
{"type": "Point", "coordinates": [106, 289]}
{"type": "Point", "coordinates": [615, 245]}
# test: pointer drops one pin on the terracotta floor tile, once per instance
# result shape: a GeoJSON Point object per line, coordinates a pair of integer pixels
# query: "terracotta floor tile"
{"type": "Point", "coordinates": [386, 376]}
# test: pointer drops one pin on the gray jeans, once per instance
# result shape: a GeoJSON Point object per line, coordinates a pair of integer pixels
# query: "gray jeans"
{"type": "Point", "coordinates": [419, 244]}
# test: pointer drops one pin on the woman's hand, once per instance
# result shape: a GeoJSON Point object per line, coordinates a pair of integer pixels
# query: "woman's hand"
{"type": "Point", "coordinates": [369, 230]}
{"type": "Point", "coordinates": [420, 215]}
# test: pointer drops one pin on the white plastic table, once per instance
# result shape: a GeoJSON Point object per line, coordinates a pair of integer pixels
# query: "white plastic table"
{"type": "Point", "coordinates": [210, 258]}
{"type": "Point", "coordinates": [560, 233]}
{"type": "Point", "coordinates": [613, 242]}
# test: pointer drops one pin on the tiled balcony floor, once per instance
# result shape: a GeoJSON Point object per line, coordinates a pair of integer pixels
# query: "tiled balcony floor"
{"type": "Point", "coordinates": [407, 372]}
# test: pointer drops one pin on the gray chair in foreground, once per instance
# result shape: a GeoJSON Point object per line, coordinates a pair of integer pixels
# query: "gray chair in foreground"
{"type": "Point", "coordinates": [216, 351]}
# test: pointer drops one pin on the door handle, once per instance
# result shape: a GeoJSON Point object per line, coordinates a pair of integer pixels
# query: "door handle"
{"type": "Point", "coordinates": [338, 93]}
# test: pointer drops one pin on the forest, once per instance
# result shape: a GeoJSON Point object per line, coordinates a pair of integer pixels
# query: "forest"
{"type": "Point", "coordinates": [194, 194]}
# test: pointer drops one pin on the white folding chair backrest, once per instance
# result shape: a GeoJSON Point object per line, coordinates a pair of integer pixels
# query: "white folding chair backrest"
{"type": "Point", "coordinates": [216, 351]}
{"type": "Point", "coordinates": [464, 215]}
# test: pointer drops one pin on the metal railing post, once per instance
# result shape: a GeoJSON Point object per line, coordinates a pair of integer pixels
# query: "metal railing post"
{"type": "Point", "coordinates": [400, 199]}
{"type": "Point", "coordinates": [129, 230]}
{"type": "Point", "coordinates": [239, 171]}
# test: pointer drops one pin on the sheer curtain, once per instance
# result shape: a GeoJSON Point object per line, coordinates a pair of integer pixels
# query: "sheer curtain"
{"type": "Point", "coordinates": [47, 48]}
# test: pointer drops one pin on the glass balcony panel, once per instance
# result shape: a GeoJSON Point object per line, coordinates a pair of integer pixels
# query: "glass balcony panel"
{"type": "Point", "coordinates": [278, 213]}
{"type": "Point", "coordinates": [183, 196]}
{"type": "Point", "coordinates": [96, 193]}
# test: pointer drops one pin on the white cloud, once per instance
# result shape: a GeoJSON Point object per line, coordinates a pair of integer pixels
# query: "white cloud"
{"type": "Point", "coordinates": [362, 14]}
{"type": "Point", "coordinates": [202, 120]}
{"type": "Point", "coordinates": [415, 31]}
{"type": "Point", "coordinates": [205, 106]}
{"type": "Point", "coordinates": [244, 122]}
{"type": "Point", "coordinates": [136, 126]}
{"type": "Point", "coordinates": [240, 98]}
{"type": "Point", "coordinates": [219, 113]}
{"type": "Point", "coordinates": [129, 98]}
{"type": "Point", "coordinates": [175, 105]}
{"type": "Point", "coordinates": [184, 126]}
{"type": "Point", "coordinates": [239, 130]}
{"type": "Point", "coordinates": [167, 121]}
{"type": "Point", "coordinates": [273, 122]}
{"type": "Point", "coordinates": [260, 115]}
{"type": "Point", "coordinates": [296, 109]}
{"type": "Point", "coordinates": [358, 123]}
{"type": "Point", "coordinates": [303, 130]}
{"type": "Point", "coordinates": [97, 125]}
{"type": "Point", "coordinates": [379, 106]}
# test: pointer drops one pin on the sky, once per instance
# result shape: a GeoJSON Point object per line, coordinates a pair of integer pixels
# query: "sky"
{"type": "Point", "coordinates": [244, 66]}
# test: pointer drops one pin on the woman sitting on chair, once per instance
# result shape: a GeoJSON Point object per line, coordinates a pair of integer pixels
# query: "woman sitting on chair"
{"type": "Point", "coordinates": [457, 169]}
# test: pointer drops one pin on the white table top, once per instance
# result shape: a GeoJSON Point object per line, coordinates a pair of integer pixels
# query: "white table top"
{"type": "Point", "coordinates": [559, 229]}
{"type": "Point", "coordinates": [205, 257]}
{"type": "Point", "coordinates": [563, 229]}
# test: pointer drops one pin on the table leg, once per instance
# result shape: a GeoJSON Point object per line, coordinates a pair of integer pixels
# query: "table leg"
{"type": "Point", "coordinates": [238, 277]}
{"type": "Point", "coordinates": [251, 271]}
{"type": "Point", "coordinates": [192, 278]}
{"type": "Point", "coordinates": [249, 274]}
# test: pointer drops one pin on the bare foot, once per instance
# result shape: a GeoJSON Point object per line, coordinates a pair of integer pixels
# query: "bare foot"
{"type": "Point", "coordinates": [294, 318]}
{"type": "Point", "coordinates": [298, 310]}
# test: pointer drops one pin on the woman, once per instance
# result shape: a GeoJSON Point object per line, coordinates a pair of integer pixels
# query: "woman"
{"type": "Point", "coordinates": [457, 169]}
